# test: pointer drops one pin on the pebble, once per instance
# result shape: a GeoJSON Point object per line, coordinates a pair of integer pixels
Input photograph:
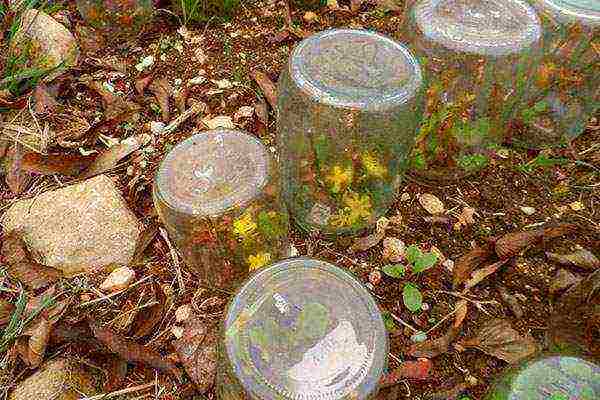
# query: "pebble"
{"type": "Point", "coordinates": [183, 312]}
{"type": "Point", "coordinates": [425, 306]}
{"type": "Point", "coordinates": [405, 197]}
{"type": "Point", "coordinates": [375, 277]}
{"type": "Point", "coordinates": [119, 279]}
{"type": "Point", "coordinates": [419, 337]}
{"type": "Point", "coordinates": [528, 210]}
{"type": "Point", "coordinates": [177, 331]}
{"type": "Point", "coordinates": [449, 265]}
{"type": "Point", "coordinates": [156, 127]}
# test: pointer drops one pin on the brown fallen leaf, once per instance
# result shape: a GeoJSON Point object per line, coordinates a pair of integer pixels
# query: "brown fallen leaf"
{"type": "Point", "coordinates": [497, 338]}
{"type": "Point", "coordinates": [367, 242]}
{"type": "Point", "coordinates": [162, 90]}
{"type": "Point", "coordinates": [14, 250]}
{"type": "Point", "coordinates": [394, 250]}
{"type": "Point", "coordinates": [34, 275]}
{"type": "Point", "coordinates": [38, 335]}
{"type": "Point", "coordinates": [16, 178]}
{"type": "Point", "coordinates": [582, 258]}
{"type": "Point", "coordinates": [197, 350]}
{"type": "Point", "coordinates": [143, 241]}
{"type": "Point", "coordinates": [44, 101]}
{"type": "Point", "coordinates": [449, 394]}
{"type": "Point", "coordinates": [512, 244]}
{"type": "Point", "coordinates": [419, 369]}
{"type": "Point", "coordinates": [465, 218]}
{"type": "Point", "coordinates": [50, 164]}
{"type": "Point", "coordinates": [6, 310]}
{"type": "Point", "coordinates": [480, 274]}
{"type": "Point", "coordinates": [433, 347]}
{"type": "Point", "coordinates": [431, 204]}
{"type": "Point", "coordinates": [462, 306]}
{"type": "Point", "coordinates": [468, 262]}
{"type": "Point", "coordinates": [563, 280]}
{"type": "Point", "coordinates": [132, 351]}
{"type": "Point", "coordinates": [142, 83]}
{"type": "Point", "coordinates": [116, 371]}
{"type": "Point", "coordinates": [512, 302]}
{"type": "Point", "coordinates": [267, 86]}
{"type": "Point", "coordinates": [114, 106]}
{"type": "Point", "coordinates": [355, 5]}
{"type": "Point", "coordinates": [144, 322]}
{"type": "Point", "coordinates": [111, 157]}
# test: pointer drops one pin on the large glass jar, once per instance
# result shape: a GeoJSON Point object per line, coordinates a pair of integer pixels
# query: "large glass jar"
{"type": "Point", "coordinates": [478, 58]}
{"type": "Point", "coordinates": [549, 377]}
{"type": "Point", "coordinates": [347, 115]}
{"type": "Point", "coordinates": [567, 83]}
{"type": "Point", "coordinates": [116, 17]}
{"type": "Point", "coordinates": [301, 329]}
{"type": "Point", "coordinates": [218, 195]}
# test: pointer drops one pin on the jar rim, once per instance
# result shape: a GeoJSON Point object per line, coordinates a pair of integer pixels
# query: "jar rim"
{"type": "Point", "coordinates": [568, 11]}
{"type": "Point", "coordinates": [402, 77]}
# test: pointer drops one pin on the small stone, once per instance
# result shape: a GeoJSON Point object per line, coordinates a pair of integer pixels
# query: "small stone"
{"type": "Point", "coordinates": [375, 277]}
{"type": "Point", "coordinates": [183, 312]}
{"type": "Point", "coordinates": [577, 206]}
{"type": "Point", "coordinates": [198, 80]}
{"type": "Point", "coordinates": [425, 307]}
{"type": "Point", "coordinates": [431, 204]}
{"type": "Point", "coordinates": [200, 56]}
{"type": "Point", "coordinates": [53, 47]}
{"type": "Point", "coordinates": [449, 265]}
{"type": "Point", "coordinates": [528, 210]}
{"type": "Point", "coordinates": [221, 121]}
{"type": "Point", "coordinates": [393, 249]}
{"type": "Point", "coordinates": [85, 298]}
{"type": "Point", "coordinates": [156, 127]}
{"type": "Point", "coordinates": [419, 337]}
{"type": "Point", "coordinates": [405, 197]}
{"type": "Point", "coordinates": [119, 279]}
{"type": "Point", "coordinates": [145, 63]}
{"type": "Point", "coordinates": [77, 228]}
{"type": "Point", "coordinates": [177, 331]}
{"type": "Point", "coordinates": [244, 112]}
{"type": "Point", "coordinates": [293, 251]}
{"type": "Point", "coordinates": [310, 16]}
{"type": "Point", "coordinates": [471, 380]}
{"type": "Point", "coordinates": [57, 379]}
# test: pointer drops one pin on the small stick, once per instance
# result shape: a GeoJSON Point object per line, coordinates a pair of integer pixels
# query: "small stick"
{"type": "Point", "coordinates": [173, 253]}
{"type": "Point", "coordinates": [398, 319]}
{"type": "Point", "coordinates": [120, 392]}
{"type": "Point", "coordinates": [108, 297]}
{"type": "Point", "coordinates": [184, 116]}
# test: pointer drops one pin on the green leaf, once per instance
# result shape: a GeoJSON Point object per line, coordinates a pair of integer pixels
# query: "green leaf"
{"type": "Point", "coordinates": [388, 321]}
{"type": "Point", "coordinates": [394, 270]}
{"type": "Point", "coordinates": [427, 261]}
{"type": "Point", "coordinates": [413, 253]}
{"type": "Point", "coordinates": [540, 106]}
{"type": "Point", "coordinates": [313, 321]}
{"type": "Point", "coordinates": [413, 299]}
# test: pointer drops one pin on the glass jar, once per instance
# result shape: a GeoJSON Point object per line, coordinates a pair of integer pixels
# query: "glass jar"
{"type": "Point", "coordinates": [116, 17]}
{"type": "Point", "coordinates": [347, 116]}
{"type": "Point", "coordinates": [549, 377]}
{"type": "Point", "coordinates": [478, 57]}
{"type": "Point", "coordinates": [301, 329]}
{"type": "Point", "coordinates": [568, 80]}
{"type": "Point", "coordinates": [218, 195]}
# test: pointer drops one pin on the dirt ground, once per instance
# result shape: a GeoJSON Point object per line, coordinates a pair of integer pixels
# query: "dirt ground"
{"type": "Point", "coordinates": [253, 41]}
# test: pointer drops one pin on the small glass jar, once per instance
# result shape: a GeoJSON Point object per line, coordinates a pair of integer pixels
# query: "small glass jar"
{"type": "Point", "coordinates": [567, 82]}
{"type": "Point", "coordinates": [478, 58]}
{"type": "Point", "coordinates": [116, 17]}
{"type": "Point", "coordinates": [301, 329]}
{"type": "Point", "coordinates": [549, 377]}
{"type": "Point", "coordinates": [347, 116]}
{"type": "Point", "coordinates": [218, 195]}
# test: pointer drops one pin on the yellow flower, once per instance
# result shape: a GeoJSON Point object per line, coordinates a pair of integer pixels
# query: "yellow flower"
{"type": "Point", "coordinates": [340, 178]}
{"type": "Point", "coordinates": [244, 226]}
{"type": "Point", "coordinates": [258, 260]}
{"type": "Point", "coordinates": [359, 206]}
{"type": "Point", "coordinates": [373, 166]}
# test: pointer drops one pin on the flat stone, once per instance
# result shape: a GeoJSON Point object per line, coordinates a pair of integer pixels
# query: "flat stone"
{"type": "Point", "coordinates": [49, 44]}
{"type": "Point", "coordinates": [77, 228]}
{"type": "Point", "coordinates": [58, 379]}
{"type": "Point", "coordinates": [119, 279]}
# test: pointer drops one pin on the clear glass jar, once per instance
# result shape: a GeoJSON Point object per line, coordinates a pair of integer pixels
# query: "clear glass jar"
{"type": "Point", "coordinates": [218, 195]}
{"type": "Point", "coordinates": [347, 116]}
{"type": "Point", "coordinates": [116, 17]}
{"type": "Point", "coordinates": [567, 82]}
{"type": "Point", "coordinates": [301, 329]}
{"type": "Point", "coordinates": [478, 57]}
{"type": "Point", "coordinates": [549, 377]}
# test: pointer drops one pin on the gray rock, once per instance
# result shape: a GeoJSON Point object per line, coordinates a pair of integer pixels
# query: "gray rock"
{"type": "Point", "coordinates": [47, 44]}
{"type": "Point", "coordinates": [77, 228]}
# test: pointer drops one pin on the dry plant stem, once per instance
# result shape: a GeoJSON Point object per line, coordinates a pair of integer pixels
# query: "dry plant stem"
{"type": "Point", "coordinates": [478, 303]}
{"type": "Point", "coordinates": [173, 125]}
{"type": "Point", "coordinates": [110, 296]}
{"type": "Point", "coordinates": [288, 14]}
{"type": "Point", "coordinates": [121, 392]}
{"type": "Point", "coordinates": [175, 259]}
{"type": "Point", "coordinates": [451, 313]}
{"type": "Point", "coordinates": [399, 320]}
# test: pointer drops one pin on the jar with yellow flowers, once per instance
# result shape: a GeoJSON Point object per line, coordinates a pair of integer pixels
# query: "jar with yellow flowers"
{"type": "Point", "coordinates": [116, 17]}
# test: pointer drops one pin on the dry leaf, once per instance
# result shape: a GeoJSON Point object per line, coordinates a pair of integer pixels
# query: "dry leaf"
{"type": "Point", "coordinates": [355, 5]}
{"type": "Point", "coordinates": [44, 102]}
{"type": "Point", "coordinates": [50, 164]}
{"type": "Point", "coordinates": [132, 351]}
{"type": "Point", "coordinates": [162, 90]}
{"type": "Point", "coordinates": [461, 308]}
{"type": "Point", "coordinates": [39, 335]}
{"type": "Point", "coordinates": [16, 178]}
{"type": "Point", "coordinates": [419, 369]}
{"type": "Point", "coordinates": [116, 370]}
{"type": "Point", "coordinates": [221, 121]}
{"type": "Point", "coordinates": [14, 249]}
{"type": "Point", "coordinates": [143, 241]}
{"type": "Point", "coordinates": [431, 204]}
{"type": "Point", "coordinates": [480, 274]}
{"type": "Point", "coordinates": [367, 242]}
{"type": "Point", "coordinates": [497, 338]}
{"type": "Point", "coordinates": [142, 83]}
{"type": "Point", "coordinates": [468, 262]}
{"type": "Point", "coordinates": [582, 258]}
{"type": "Point", "coordinates": [197, 350]}
{"type": "Point", "coordinates": [394, 249]}
{"type": "Point", "coordinates": [433, 347]}
{"type": "Point", "coordinates": [6, 310]}
{"type": "Point", "coordinates": [512, 302]}
{"type": "Point", "coordinates": [563, 280]}
{"type": "Point", "coordinates": [111, 157]}
{"type": "Point", "coordinates": [387, 5]}
{"type": "Point", "coordinates": [512, 244]}
{"type": "Point", "coordinates": [267, 86]}
{"type": "Point", "coordinates": [114, 106]}
{"type": "Point", "coordinates": [465, 218]}
{"type": "Point", "coordinates": [449, 394]}
{"type": "Point", "coordinates": [144, 322]}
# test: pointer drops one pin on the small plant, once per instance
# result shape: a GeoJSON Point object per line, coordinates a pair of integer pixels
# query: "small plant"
{"type": "Point", "coordinates": [541, 161]}
{"type": "Point", "coordinates": [418, 262]}
{"type": "Point", "coordinates": [203, 10]}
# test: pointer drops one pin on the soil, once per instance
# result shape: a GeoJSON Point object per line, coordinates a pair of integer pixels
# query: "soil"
{"type": "Point", "coordinates": [253, 39]}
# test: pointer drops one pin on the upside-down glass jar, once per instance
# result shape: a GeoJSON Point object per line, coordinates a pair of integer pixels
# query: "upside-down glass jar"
{"type": "Point", "coordinates": [478, 58]}
{"type": "Point", "coordinates": [567, 82]}
{"type": "Point", "coordinates": [218, 195]}
{"type": "Point", "coordinates": [347, 117]}
{"type": "Point", "coordinates": [116, 17]}
{"type": "Point", "coordinates": [301, 329]}
{"type": "Point", "coordinates": [549, 377]}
